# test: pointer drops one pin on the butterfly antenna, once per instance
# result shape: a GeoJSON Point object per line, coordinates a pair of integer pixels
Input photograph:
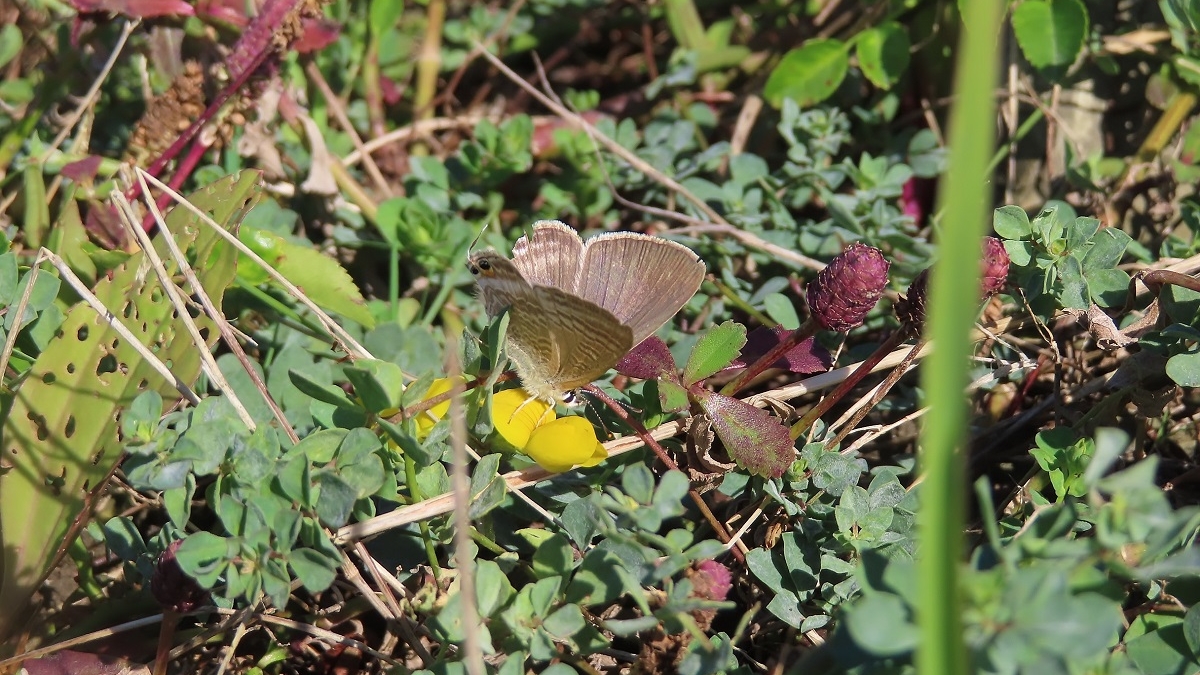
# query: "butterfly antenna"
{"type": "Point", "coordinates": [599, 393]}
{"type": "Point", "coordinates": [476, 239]}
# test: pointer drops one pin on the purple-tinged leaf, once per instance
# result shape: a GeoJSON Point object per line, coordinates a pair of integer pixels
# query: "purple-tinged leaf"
{"type": "Point", "coordinates": [755, 440]}
{"type": "Point", "coordinates": [806, 358]}
{"type": "Point", "coordinates": [715, 350]}
{"type": "Point", "coordinates": [316, 34]}
{"type": "Point", "coordinates": [138, 9]}
{"type": "Point", "coordinates": [84, 169]}
{"type": "Point", "coordinates": [649, 360]}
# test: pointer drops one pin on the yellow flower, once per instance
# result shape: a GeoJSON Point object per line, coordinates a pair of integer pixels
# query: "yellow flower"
{"type": "Point", "coordinates": [529, 425]}
{"type": "Point", "coordinates": [428, 418]}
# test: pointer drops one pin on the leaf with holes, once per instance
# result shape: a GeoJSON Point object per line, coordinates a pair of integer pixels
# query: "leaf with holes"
{"type": "Point", "coordinates": [60, 436]}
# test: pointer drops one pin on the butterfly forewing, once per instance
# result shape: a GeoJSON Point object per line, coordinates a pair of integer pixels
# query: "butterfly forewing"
{"type": "Point", "coordinates": [642, 280]}
{"type": "Point", "coordinates": [552, 256]}
{"type": "Point", "coordinates": [560, 342]}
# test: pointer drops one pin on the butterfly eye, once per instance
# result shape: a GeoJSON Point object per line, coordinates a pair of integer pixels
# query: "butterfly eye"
{"type": "Point", "coordinates": [485, 265]}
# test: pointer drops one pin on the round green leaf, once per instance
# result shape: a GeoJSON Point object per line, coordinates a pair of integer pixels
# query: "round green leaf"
{"type": "Point", "coordinates": [781, 309]}
{"type": "Point", "coordinates": [1050, 32]}
{"type": "Point", "coordinates": [1011, 222]}
{"type": "Point", "coordinates": [883, 53]}
{"type": "Point", "coordinates": [1191, 629]}
{"type": "Point", "coordinates": [565, 622]}
{"type": "Point", "coordinates": [312, 569]}
{"type": "Point", "coordinates": [1184, 369]}
{"type": "Point", "coordinates": [808, 74]}
{"type": "Point", "coordinates": [882, 625]}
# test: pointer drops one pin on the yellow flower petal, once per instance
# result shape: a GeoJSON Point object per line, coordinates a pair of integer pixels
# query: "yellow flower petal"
{"type": "Point", "coordinates": [562, 444]}
{"type": "Point", "coordinates": [428, 418]}
{"type": "Point", "coordinates": [515, 414]}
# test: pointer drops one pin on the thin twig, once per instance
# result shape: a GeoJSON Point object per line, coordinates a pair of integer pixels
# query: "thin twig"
{"type": "Point", "coordinates": [218, 319]}
{"type": "Point", "coordinates": [131, 223]}
{"type": "Point", "coordinates": [460, 483]}
{"type": "Point", "coordinates": [611, 145]}
{"type": "Point", "coordinates": [116, 324]}
{"type": "Point", "coordinates": [10, 340]}
{"type": "Point", "coordinates": [339, 113]}
{"type": "Point", "coordinates": [347, 342]}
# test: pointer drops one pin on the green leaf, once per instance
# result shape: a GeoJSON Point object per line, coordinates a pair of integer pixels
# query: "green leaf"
{"type": "Point", "coordinates": [883, 53]}
{"type": "Point", "coordinates": [715, 349]}
{"type": "Point", "coordinates": [178, 502]}
{"type": "Point", "coordinates": [1075, 293]}
{"type": "Point", "coordinates": [326, 393]}
{"type": "Point", "coordinates": [882, 625]}
{"type": "Point", "coordinates": [769, 568]}
{"type": "Point", "coordinates": [1107, 287]}
{"type": "Point", "coordinates": [1184, 369]}
{"type": "Point", "coordinates": [786, 606]}
{"type": "Point", "coordinates": [121, 536]}
{"type": "Point", "coordinates": [321, 278]}
{"type": "Point", "coordinates": [565, 621]}
{"type": "Point", "coordinates": [383, 15]}
{"type": "Point", "coordinates": [638, 483]}
{"type": "Point", "coordinates": [378, 384]}
{"type": "Point", "coordinates": [335, 498]}
{"type": "Point", "coordinates": [671, 396]}
{"type": "Point", "coordinates": [552, 553]}
{"type": "Point", "coordinates": [1160, 646]}
{"type": "Point", "coordinates": [10, 42]}
{"type": "Point", "coordinates": [1191, 629]}
{"type": "Point", "coordinates": [1181, 304]}
{"type": "Point", "coordinates": [312, 569]}
{"type": "Point", "coordinates": [9, 275]}
{"type": "Point", "coordinates": [780, 308]}
{"type": "Point", "coordinates": [1012, 222]}
{"type": "Point", "coordinates": [141, 419]}
{"type": "Point", "coordinates": [492, 587]}
{"type": "Point", "coordinates": [203, 556]}
{"type": "Point", "coordinates": [487, 486]}
{"type": "Point", "coordinates": [359, 462]}
{"type": "Point", "coordinates": [320, 446]}
{"type": "Point", "coordinates": [1079, 234]}
{"type": "Point", "coordinates": [1050, 32]}
{"type": "Point", "coordinates": [808, 74]}
{"type": "Point", "coordinates": [579, 519]}
{"type": "Point", "coordinates": [1107, 249]}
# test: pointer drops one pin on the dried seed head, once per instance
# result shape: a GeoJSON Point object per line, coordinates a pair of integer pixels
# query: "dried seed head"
{"type": "Point", "coordinates": [995, 266]}
{"type": "Point", "coordinates": [848, 288]}
{"type": "Point", "coordinates": [173, 589]}
{"type": "Point", "coordinates": [911, 308]}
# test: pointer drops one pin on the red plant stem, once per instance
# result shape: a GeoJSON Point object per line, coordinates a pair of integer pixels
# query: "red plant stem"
{"type": "Point", "coordinates": [1014, 406]}
{"type": "Point", "coordinates": [166, 636]}
{"type": "Point", "coordinates": [640, 430]}
{"type": "Point", "coordinates": [250, 52]}
{"type": "Point", "coordinates": [849, 383]}
{"type": "Point", "coordinates": [755, 369]}
{"type": "Point", "coordinates": [884, 387]}
{"type": "Point", "coordinates": [224, 95]}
